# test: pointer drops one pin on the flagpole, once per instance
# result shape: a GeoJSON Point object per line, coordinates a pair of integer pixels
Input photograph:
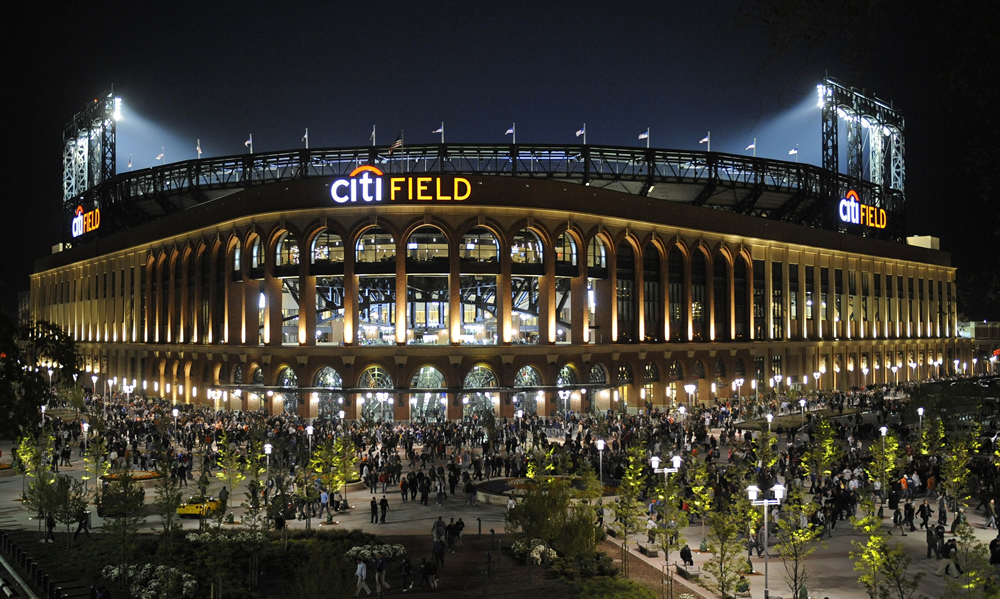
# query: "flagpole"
{"type": "Point", "coordinates": [442, 132]}
{"type": "Point", "coordinates": [647, 138]}
{"type": "Point", "coordinates": [373, 136]}
{"type": "Point", "coordinates": [585, 134]}
{"type": "Point", "coordinates": [129, 162]}
{"type": "Point", "coordinates": [709, 141]}
{"type": "Point", "coordinates": [755, 147]}
{"type": "Point", "coordinates": [307, 138]}
{"type": "Point", "coordinates": [513, 127]}
{"type": "Point", "coordinates": [199, 149]}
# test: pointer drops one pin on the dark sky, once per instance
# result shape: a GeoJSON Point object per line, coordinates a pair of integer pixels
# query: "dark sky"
{"type": "Point", "coordinates": [187, 71]}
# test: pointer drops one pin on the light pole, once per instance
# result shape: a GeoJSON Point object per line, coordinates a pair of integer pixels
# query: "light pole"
{"type": "Point", "coordinates": [920, 413]}
{"type": "Point", "coordinates": [885, 462]}
{"type": "Point", "coordinates": [802, 403]}
{"type": "Point", "coordinates": [309, 434]}
{"type": "Point", "coordinates": [816, 376]}
{"type": "Point", "coordinates": [779, 493]}
{"type": "Point", "coordinates": [770, 419]}
{"type": "Point", "coordinates": [176, 413]}
{"type": "Point", "coordinates": [956, 367]}
{"type": "Point", "coordinates": [600, 459]}
{"type": "Point", "coordinates": [655, 463]}
{"type": "Point", "coordinates": [683, 412]}
{"type": "Point", "coordinates": [913, 370]}
{"type": "Point", "coordinates": [895, 374]}
{"type": "Point", "coordinates": [739, 387]}
{"type": "Point", "coordinates": [864, 380]}
{"type": "Point", "coordinates": [974, 362]}
{"type": "Point", "coordinates": [267, 454]}
{"type": "Point", "coordinates": [86, 441]}
{"type": "Point", "coordinates": [50, 377]}
{"type": "Point", "coordinates": [690, 388]}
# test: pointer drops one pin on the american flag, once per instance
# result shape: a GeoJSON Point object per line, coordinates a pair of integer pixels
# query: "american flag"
{"type": "Point", "coordinates": [396, 144]}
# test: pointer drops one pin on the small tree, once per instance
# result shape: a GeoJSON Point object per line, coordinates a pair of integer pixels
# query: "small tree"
{"type": "Point", "coordinates": [345, 461]}
{"type": "Point", "coordinates": [673, 518]}
{"type": "Point", "coordinates": [886, 459]}
{"type": "Point", "coordinates": [699, 483]}
{"type": "Point", "coordinates": [628, 509]}
{"type": "Point", "coordinates": [727, 552]}
{"type": "Point", "coordinates": [95, 464]}
{"type": "Point", "coordinates": [823, 450]}
{"type": "Point", "coordinates": [122, 501]}
{"type": "Point", "coordinates": [870, 554]}
{"type": "Point", "coordinates": [974, 580]}
{"type": "Point", "coordinates": [168, 499]}
{"type": "Point", "coordinates": [955, 472]}
{"type": "Point", "coordinates": [69, 501]}
{"type": "Point", "coordinates": [797, 538]}
{"type": "Point", "coordinates": [234, 468]}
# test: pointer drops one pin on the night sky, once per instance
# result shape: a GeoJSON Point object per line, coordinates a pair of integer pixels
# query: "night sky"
{"type": "Point", "coordinates": [741, 70]}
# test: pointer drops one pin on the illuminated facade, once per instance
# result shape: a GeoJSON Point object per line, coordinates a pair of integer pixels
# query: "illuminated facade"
{"type": "Point", "coordinates": [404, 295]}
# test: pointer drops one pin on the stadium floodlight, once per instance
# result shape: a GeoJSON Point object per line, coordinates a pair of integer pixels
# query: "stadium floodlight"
{"type": "Point", "coordinates": [117, 115]}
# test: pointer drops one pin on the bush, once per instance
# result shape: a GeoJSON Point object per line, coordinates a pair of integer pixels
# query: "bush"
{"type": "Point", "coordinates": [598, 564]}
{"type": "Point", "coordinates": [619, 588]}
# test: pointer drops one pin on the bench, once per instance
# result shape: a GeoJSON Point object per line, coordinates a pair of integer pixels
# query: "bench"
{"type": "Point", "coordinates": [649, 550]}
{"type": "Point", "coordinates": [689, 572]}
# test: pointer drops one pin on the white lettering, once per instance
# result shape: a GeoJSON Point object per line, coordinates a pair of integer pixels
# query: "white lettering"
{"type": "Point", "coordinates": [340, 199]}
{"type": "Point", "coordinates": [845, 211]}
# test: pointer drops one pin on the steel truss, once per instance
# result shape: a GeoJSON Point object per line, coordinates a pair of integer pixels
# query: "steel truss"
{"type": "Point", "coordinates": [89, 148]}
{"type": "Point", "coordinates": [741, 184]}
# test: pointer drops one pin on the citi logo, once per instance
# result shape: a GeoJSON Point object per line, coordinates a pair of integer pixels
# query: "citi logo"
{"type": "Point", "coordinates": [85, 222]}
{"type": "Point", "coordinates": [346, 190]}
{"type": "Point", "coordinates": [854, 212]}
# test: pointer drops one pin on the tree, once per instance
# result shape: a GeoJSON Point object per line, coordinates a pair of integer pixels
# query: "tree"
{"type": "Point", "coordinates": [234, 468]}
{"type": "Point", "coordinates": [628, 509]}
{"type": "Point", "coordinates": [95, 464]}
{"type": "Point", "coordinates": [122, 503]}
{"type": "Point", "coordinates": [886, 459]}
{"type": "Point", "coordinates": [932, 439]}
{"type": "Point", "coordinates": [168, 499]}
{"type": "Point", "coordinates": [797, 537]}
{"type": "Point", "coordinates": [727, 552]}
{"type": "Point", "coordinates": [955, 472]}
{"type": "Point", "coordinates": [823, 450]}
{"type": "Point", "coordinates": [345, 461]}
{"type": "Point", "coordinates": [975, 577]}
{"type": "Point", "coordinates": [699, 483]}
{"type": "Point", "coordinates": [69, 502]}
{"type": "Point", "coordinates": [673, 518]}
{"type": "Point", "coordinates": [882, 568]}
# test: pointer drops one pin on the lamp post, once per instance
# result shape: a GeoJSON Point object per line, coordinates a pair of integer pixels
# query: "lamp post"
{"type": "Point", "coordinates": [739, 387]}
{"type": "Point", "coordinates": [50, 377]}
{"type": "Point", "coordinates": [778, 491]}
{"type": "Point", "coordinates": [895, 374]}
{"type": "Point", "coordinates": [920, 413]}
{"type": "Point", "coordinates": [600, 459]}
{"type": "Point", "coordinates": [885, 475]}
{"type": "Point", "coordinates": [770, 419]}
{"type": "Point", "coordinates": [974, 362]}
{"type": "Point", "coordinates": [690, 388]}
{"type": "Point", "coordinates": [655, 463]}
{"type": "Point", "coordinates": [267, 454]}
{"type": "Point", "coordinates": [309, 434]}
{"type": "Point", "coordinates": [86, 441]}
{"type": "Point", "coordinates": [683, 412]}
{"type": "Point", "coordinates": [913, 370]}
{"type": "Point", "coordinates": [956, 367]}
{"type": "Point", "coordinates": [43, 415]}
{"type": "Point", "coordinates": [864, 379]}
{"type": "Point", "coordinates": [176, 413]}
{"type": "Point", "coordinates": [802, 403]}
{"type": "Point", "coordinates": [816, 376]}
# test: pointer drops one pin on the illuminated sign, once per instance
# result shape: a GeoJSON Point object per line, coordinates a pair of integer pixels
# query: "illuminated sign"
{"type": "Point", "coordinates": [365, 184]}
{"type": "Point", "coordinates": [854, 212]}
{"type": "Point", "coordinates": [85, 222]}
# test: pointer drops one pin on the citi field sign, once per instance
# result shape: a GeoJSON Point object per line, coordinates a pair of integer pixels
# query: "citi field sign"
{"type": "Point", "coordinates": [85, 222]}
{"type": "Point", "coordinates": [852, 211]}
{"type": "Point", "coordinates": [367, 184]}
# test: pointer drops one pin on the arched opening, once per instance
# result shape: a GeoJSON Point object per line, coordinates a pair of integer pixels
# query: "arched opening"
{"type": "Point", "coordinates": [427, 287]}
{"type": "Point", "coordinates": [289, 399]}
{"type": "Point", "coordinates": [699, 296]}
{"type": "Point", "coordinates": [479, 263]}
{"type": "Point", "coordinates": [527, 267]}
{"type": "Point", "coordinates": [567, 268]}
{"type": "Point", "coordinates": [376, 404]}
{"type": "Point", "coordinates": [527, 401]}
{"type": "Point", "coordinates": [327, 266]}
{"type": "Point", "coordinates": [628, 320]}
{"type": "Point", "coordinates": [720, 291]}
{"type": "Point", "coordinates": [477, 400]}
{"type": "Point", "coordinates": [652, 296]}
{"type": "Point", "coordinates": [741, 308]}
{"type": "Point", "coordinates": [677, 308]}
{"type": "Point", "coordinates": [566, 379]}
{"type": "Point", "coordinates": [329, 404]}
{"type": "Point", "coordinates": [376, 267]}
{"type": "Point", "coordinates": [428, 406]}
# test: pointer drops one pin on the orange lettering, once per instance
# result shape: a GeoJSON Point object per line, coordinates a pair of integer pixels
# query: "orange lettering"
{"type": "Point", "coordinates": [422, 183]}
{"type": "Point", "coordinates": [437, 182]}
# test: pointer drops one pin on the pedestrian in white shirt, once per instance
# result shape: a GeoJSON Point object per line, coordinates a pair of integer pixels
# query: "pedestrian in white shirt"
{"type": "Point", "coordinates": [362, 574]}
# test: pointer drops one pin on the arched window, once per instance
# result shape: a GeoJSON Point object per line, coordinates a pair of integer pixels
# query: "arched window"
{"type": "Point", "coordinates": [428, 244]}
{"type": "Point", "coordinates": [566, 251]}
{"type": "Point", "coordinates": [286, 251]}
{"type": "Point", "coordinates": [624, 373]}
{"type": "Point", "coordinates": [289, 399]}
{"type": "Point", "coordinates": [598, 375]}
{"type": "Point", "coordinates": [256, 254]}
{"type": "Point", "coordinates": [376, 245]}
{"type": "Point", "coordinates": [699, 296]}
{"type": "Point", "coordinates": [376, 404]}
{"type": "Point", "coordinates": [676, 371]}
{"type": "Point", "coordinates": [699, 369]}
{"type": "Point", "coordinates": [526, 248]}
{"type": "Point", "coordinates": [237, 257]}
{"type": "Point", "coordinates": [478, 402]}
{"type": "Point", "coordinates": [597, 256]}
{"type": "Point", "coordinates": [327, 248]}
{"type": "Point", "coordinates": [675, 286]}
{"type": "Point", "coordinates": [567, 378]}
{"type": "Point", "coordinates": [329, 404]}
{"type": "Point", "coordinates": [429, 405]}
{"type": "Point", "coordinates": [652, 372]}
{"type": "Point", "coordinates": [528, 376]}
{"type": "Point", "coordinates": [628, 319]}
{"type": "Point", "coordinates": [238, 374]}
{"type": "Point", "coordinates": [479, 244]}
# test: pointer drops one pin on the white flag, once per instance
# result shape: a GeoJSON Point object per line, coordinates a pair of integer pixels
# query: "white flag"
{"type": "Point", "coordinates": [644, 135]}
{"type": "Point", "coordinates": [509, 131]}
{"type": "Point", "coordinates": [752, 146]}
{"type": "Point", "coordinates": [793, 151]}
{"type": "Point", "coordinates": [704, 140]}
{"type": "Point", "coordinates": [438, 130]}
{"type": "Point", "coordinates": [581, 131]}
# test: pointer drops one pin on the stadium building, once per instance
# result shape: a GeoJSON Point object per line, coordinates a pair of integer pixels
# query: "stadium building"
{"type": "Point", "coordinates": [434, 281]}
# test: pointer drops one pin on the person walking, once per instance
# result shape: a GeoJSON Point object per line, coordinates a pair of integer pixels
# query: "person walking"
{"type": "Point", "coordinates": [374, 504]}
{"type": "Point", "coordinates": [384, 505]}
{"type": "Point", "coordinates": [925, 512]}
{"type": "Point", "coordinates": [932, 543]}
{"type": "Point", "coordinates": [897, 521]}
{"type": "Point", "coordinates": [380, 567]}
{"type": "Point", "coordinates": [995, 553]}
{"type": "Point", "coordinates": [908, 515]}
{"type": "Point", "coordinates": [991, 514]}
{"type": "Point", "coordinates": [406, 571]}
{"type": "Point", "coordinates": [362, 573]}
{"type": "Point", "coordinates": [83, 517]}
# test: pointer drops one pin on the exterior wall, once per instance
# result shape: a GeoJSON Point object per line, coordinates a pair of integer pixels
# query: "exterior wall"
{"type": "Point", "coordinates": [178, 315]}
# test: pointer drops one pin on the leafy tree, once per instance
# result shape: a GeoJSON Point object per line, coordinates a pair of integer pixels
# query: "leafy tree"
{"type": "Point", "coordinates": [95, 464]}
{"type": "Point", "coordinates": [932, 439]}
{"type": "Point", "coordinates": [699, 483]}
{"type": "Point", "coordinates": [955, 471]}
{"type": "Point", "coordinates": [628, 509]}
{"type": "Point", "coordinates": [975, 579]}
{"type": "Point", "coordinates": [234, 467]}
{"type": "Point", "coordinates": [886, 459]}
{"type": "Point", "coordinates": [727, 552]}
{"type": "Point", "coordinates": [306, 491]}
{"type": "Point", "coordinates": [40, 496]}
{"type": "Point", "coordinates": [168, 499]}
{"type": "Point", "coordinates": [122, 502]}
{"type": "Point", "coordinates": [69, 502]}
{"type": "Point", "coordinates": [673, 518]}
{"type": "Point", "coordinates": [797, 537]}
{"type": "Point", "coordinates": [823, 451]}
{"type": "Point", "coordinates": [345, 462]}
{"type": "Point", "coordinates": [881, 568]}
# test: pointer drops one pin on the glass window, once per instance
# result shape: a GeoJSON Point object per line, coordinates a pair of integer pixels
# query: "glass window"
{"type": "Point", "coordinates": [375, 245]}
{"type": "Point", "coordinates": [526, 248]}
{"type": "Point", "coordinates": [479, 245]}
{"type": "Point", "coordinates": [328, 248]}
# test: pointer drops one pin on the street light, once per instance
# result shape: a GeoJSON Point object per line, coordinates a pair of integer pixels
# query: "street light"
{"type": "Point", "coordinates": [739, 387]}
{"type": "Point", "coordinates": [920, 413]}
{"type": "Point", "coordinates": [690, 388]}
{"type": "Point", "coordinates": [816, 376]}
{"type": "Point", "coordinates": [600, 452]}
{"type": "Point", "coordinates": [50, 376]}
{"type": "Point", "coordinates": [779, 493]}
{"type": "Point", "coordinates": [770, 418]}
{"type": "Point", "coordinates": [309, 434]}
{"type": "Point", "coordinates": [885, 475]}
{"type": "Point", "coordinates": [895, 373]}
{"type": "Point", "coordinates": [176, 413]}
{"type": "Point", "coordinates": [956, 366]}
{"type": "Point", "coordinates": [655, 463]}
{"type": "Point", "coordinates": [802, 403]}
{"type": "Point", "coordinates": [267, 453]}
